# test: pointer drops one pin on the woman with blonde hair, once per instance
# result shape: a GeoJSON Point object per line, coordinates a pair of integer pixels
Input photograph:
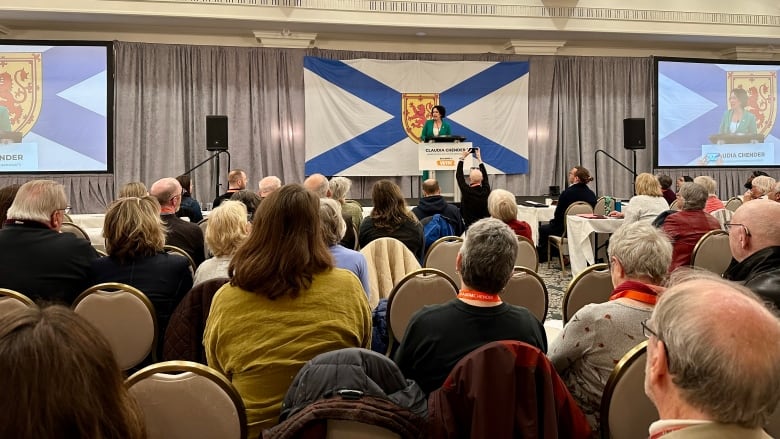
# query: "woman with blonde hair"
{"type": "Point", "coordinates": [503, 205]}
{"type": "Point", "coordinates": [60, 379]}
{"type": "Point", "coordinates": [135, 237]}
{"type": "Point", "coordinates": [227, 229]}
{"type": "Point", "coordinates": [285, 304]}
{"type": "Point", "coordinates": [713, 202]}
{"type": "Point", "coordinates": [648, 202]}
{"type": "Point", "coordinates": [391, 218]}
{"type": "Point", "coordinates": [133, 189]}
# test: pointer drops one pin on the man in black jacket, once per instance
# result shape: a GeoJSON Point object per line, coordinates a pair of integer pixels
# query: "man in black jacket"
{"type": "Point", "coordinates": [432, 203]}
{"type": "Point", "coordinates": [755, 245]}
{"type": "Point", "coordinates": [474, 195]}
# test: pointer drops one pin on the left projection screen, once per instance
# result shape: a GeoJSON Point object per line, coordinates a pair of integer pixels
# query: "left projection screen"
{"type": "Point", "coordinates": [56, 107]}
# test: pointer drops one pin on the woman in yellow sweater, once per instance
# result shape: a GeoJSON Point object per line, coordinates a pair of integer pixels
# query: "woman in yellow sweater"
{"type": "Point", "coordinates": [285, 304]}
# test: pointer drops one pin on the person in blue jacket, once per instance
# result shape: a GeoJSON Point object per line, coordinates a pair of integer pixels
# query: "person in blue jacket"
{"type": "Point", "coordinates": [436, 125]}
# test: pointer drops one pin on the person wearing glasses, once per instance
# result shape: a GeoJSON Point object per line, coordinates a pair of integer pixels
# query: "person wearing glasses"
{"type": "Point", "coordinates": [36, 259]}
{"type": "Point", "coordinates": [599, 334]}
{"type": "Point", "coordinates": [183, 234]}
{"type": "Point", "coordinates": [755, 245]}
{"type": "Point", "coordinates": [712, 371]}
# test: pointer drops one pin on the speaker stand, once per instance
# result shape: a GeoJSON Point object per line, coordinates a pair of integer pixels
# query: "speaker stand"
{"type": "Point", "coordinates": [596, 168]}
{"type": "Point", "coordinates": [214, 157]}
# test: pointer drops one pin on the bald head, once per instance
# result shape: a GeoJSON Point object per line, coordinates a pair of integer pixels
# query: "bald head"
{"type": "Point", "coordinates": [760, 230]}
{"type": "Point", "coordinates": [475, 176]}
{"type": "Point", "coordinates": [168, 193]}
{"type": "Point", "coordinates": [318, 184]}
{"type": "Point", "coordinates": [268, 184]}
{"type": "Point", "coordinates": [431, 187]}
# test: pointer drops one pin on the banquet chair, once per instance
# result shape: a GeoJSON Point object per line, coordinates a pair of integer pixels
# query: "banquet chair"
{"type": "Point", "coordinates": [733, 204]}
{"type": "Point", "coordinates": [593, 285]}
{"type": "Point", "coordinates": [527, 256]}
{"type": "Point", "coordinates": [712, 252]}
{"type": "Point", "coordinates": [723, 216]}
{"type": "Point", "coordinates": [560, 242]}
{"type": "Point", "coordinates": [173, 250]}
{"type": "Point", "coordinates": [125, 316]}
{"type": "Point", "coordinates": [525, 288]}
{"type": "Point", "coordinates": [773, 426]}
{"type": "Point", "coordinates": [426, 286]}
{"type": "Point", "coordinates": [68, 227]}
{"type": "Point", "coordinates": [675, 205]}
{"type": "Point", "coordinates": [11, 300]}
{"type": "Point", "coordinates": [441, 255]}
{"type": "Point", "coordinates": [389, 261]}
{"type": "Point", "coordinates": [604, 205]}
{"type": "Point", "coordinates": [204, 224]}
{"type": "Point", "coordinates": [626, 412]}
{"type": "Point", "coordinates": [182, 400]}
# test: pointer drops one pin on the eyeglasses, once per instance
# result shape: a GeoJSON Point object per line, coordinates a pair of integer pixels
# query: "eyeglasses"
{"type": "Point", "coordinates": [728, 227]}
{"type": "Point", "coordinates": [649, 332]}
{"type": "Point", "coordinates": [65, 209]}
{"type": "Point", "coordinates": [177, 195]}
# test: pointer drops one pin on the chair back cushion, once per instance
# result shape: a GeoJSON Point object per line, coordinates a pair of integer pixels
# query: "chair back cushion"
{"type": "Point", "coordinates": [11, 301]}
{"type": "Point", "coordinates": [525, 288]}
{"type": "Point", "coordinates": [68, 227]}
{"type": "Point", "coordinates": [527, 256]}
{"type": "Point", "coordinates": [593, 285]}
{"type": "Point", "coordinates": [388, 260]}
{"type": "Point", "coordinates": [441, 256]}
{"type": "Point", "coordinates": [712, 252]}
{"type": "Point", "coordinates": [733, 203]}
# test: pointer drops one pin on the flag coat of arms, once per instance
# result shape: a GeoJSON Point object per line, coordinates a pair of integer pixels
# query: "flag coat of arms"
{"type": "Point", "coordinates": [364, 117]}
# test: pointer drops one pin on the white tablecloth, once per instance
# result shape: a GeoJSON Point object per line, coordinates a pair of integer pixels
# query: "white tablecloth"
{"type": "Point", "coordinates": [535, 215]}
{"type": "Point", "coordinates": [579, 231]}
{"type": "Point", "coordinates": [88, 220]}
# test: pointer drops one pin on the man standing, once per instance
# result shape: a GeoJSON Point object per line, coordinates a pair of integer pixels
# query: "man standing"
{"type": "Point", "coordinates": [754, 240]}
{"type": "Point", "coordinates": [36, 258]}
{"type": "Point", "coordinates": [474, 194]}
{"type": "Point", "coordinates": [236, 182]}
{"type": "Point", "coordinates": [432, 203]}
{"type": "Point", "coordinates": [183, 234]}
{"type": "Point", "coordinates": [712, 370]}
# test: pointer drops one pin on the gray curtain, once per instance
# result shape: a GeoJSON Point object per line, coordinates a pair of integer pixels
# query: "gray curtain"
{"type": "Point", "coordinates": [164, 93]}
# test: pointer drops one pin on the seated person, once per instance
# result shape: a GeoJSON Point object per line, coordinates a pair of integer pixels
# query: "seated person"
{"type": "Point", "coordinates": [647, 204]}
{"type": "Point", "coordinates": [713, 202]}
{"type": "Point", "coordinates": [333, 229]}
{"type": "Point", "coordinates": [391, 218]}
{"type": "Point", "coordinates": [579, 177]}
{"type": "Point", "coordinates": [60, 379]}
{"type": "Point", "coordinates": [133, 189]}
{"type": "Point", "coordinates": [190, 207]}
{"type": "Point", "coordinates": [250, 199]}
{"type": "Point", "coordinates": [227, 229]}
{"type": "Point", "coordinates": [759, 188]}
{"type": "Point", "coordinates": [598, 335]}
{"type": "Point", "coordinates": [179, 233]}
{"type": "Point", "coordinates": [503, 206]}
{"type": "Point", "coordinates": [134, 242]}
{"type": "Point", "coordinates": [666, 188]}
{"type": "Point", "coordinates": [236, 182]}
{"type": "Point", "coordinates": [433, 202]}
{"type": "Point", "coordinates": [438, 336]}
{"type": "Point", "coordinates": [339, 188]}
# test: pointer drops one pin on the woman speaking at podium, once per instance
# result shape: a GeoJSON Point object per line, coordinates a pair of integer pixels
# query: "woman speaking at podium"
{"type": "Point", "coordinates": [737, 119]}
{"type": "Point", "coordinates": [436, 125]}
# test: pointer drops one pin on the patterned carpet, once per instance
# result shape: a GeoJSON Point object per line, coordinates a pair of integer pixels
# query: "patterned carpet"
{"type": "Point", "coordinates": [556, 285]}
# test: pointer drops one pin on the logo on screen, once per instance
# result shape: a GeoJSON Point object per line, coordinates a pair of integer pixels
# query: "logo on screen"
{"type": "Point", "coordinates": [416, 109]}
{"type": "Point", "coordinates": [20, 88]}
{"type": "Point", "coordinates": [761, 88]}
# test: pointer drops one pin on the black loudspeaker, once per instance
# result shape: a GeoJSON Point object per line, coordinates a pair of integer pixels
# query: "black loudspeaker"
{"type": "Point", "coordinates": [216, 133]}
{"type": "Point", "coordinates": [634, 133]}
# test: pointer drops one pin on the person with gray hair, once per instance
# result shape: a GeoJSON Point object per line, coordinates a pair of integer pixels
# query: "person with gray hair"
{"type": "Point", "coordinates": [503, 205]}
{"type": "Point", "coordinates": [318, 184]}
{"type": "Point", "coordinates": [37, 259]}
{"type": "Point", "coordinates": [774, 194]}
{"type": "Point", "coordinates": [760, 187]}
{"type": "Point", "coordinates": [339, 188]}
{"type": "Point", "coordinates": [333, 228]}
{"type": "Point", "coordinates": [709, 184]}
{"type": "Point", "coordinates": [267, 185]}
{"type": "Point", "coordinates": [438, 336]}
{"type": "Point", "coordinates": [687, 226]}
{"type": "Point", "coordinates": [712, 370]}
{"type": "Point", "coordinates": [599, 334]}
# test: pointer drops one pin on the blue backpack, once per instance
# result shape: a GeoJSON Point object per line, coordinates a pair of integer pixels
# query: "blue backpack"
{"type": "Point", "coordinates": [435, 227]}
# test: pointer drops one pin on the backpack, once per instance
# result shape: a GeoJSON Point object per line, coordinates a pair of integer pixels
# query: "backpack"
{"type": "Point", "coordinates": [435, 227]}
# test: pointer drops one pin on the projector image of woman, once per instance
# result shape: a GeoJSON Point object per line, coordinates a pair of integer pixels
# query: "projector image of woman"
{"type": "Point", "coordinates": [737, 120]}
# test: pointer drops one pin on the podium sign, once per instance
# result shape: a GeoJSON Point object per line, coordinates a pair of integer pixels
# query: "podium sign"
{"type": "Point", "coordinates": [756, 154]}
{"type": "Point", "coordinates": [18, 157]}
{"type": "Point", "coordinates": [440, 156]}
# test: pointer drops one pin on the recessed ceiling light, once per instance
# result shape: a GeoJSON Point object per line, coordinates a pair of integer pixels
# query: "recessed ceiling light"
{"type": "Point", "coordinates": [421, 34]}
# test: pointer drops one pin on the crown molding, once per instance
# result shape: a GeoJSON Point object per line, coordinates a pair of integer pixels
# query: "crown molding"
{"type": "Point", "coordinates": [533, 47]}
{"type": "Point", "coordinates": [285, 39]}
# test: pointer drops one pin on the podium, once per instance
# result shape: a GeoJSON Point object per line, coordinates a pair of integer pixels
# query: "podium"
{"type": "Point", "coordinates": [735, 139]}
{"type": "Point", "coordinates": [440, 155]}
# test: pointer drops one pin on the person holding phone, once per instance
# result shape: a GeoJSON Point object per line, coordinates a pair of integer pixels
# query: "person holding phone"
{"type": "Point", "coordinates": [436, 125]}
{"type": "Point", "coordinates": [474, 194]}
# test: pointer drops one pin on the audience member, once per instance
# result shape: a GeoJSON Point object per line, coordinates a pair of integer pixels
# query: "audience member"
{"type": "Point", "coordinates": [647, 204]}
{"type": "Point", "coordinates": [438, 336]}
{"type": "Point", "coordinates": [683, 179]}
{"type": "Point", "coordinates": [318, 184]}
{"type": "Point", "coordinates": [598, 335]}
{"type": "Point", "coordinates": [7, 195]}
{"type": "Point", "coordinates": [285, 304]}
{"type": "Point", "coordinates": [774, 194]}
{"type": "Point", "coordinates": [37, 260]}
{"type": "Point", "coordinates": [712, 370]}
{"type": "Point", "coordinates": [249, 199]}
{"type": "Point", "coordinates": [236, 182]}
{"type": "Point", "coordinates": [135, 238]}
{"type": "Point", "coordinates": [391, 218]}
{"type": "Point", "coordinates": [333, 229]}
{"type": "Point", "coordinates": [759, 188]}
{"type": "Point", "coordinates": [190, 207]}
{"type": "Point", "coordinates": [133, 189]}
{"type": "Point", "coordinates": [339, 188]}
{"type": "Point", "coordinates": [502, 205]}
{"type": "Point", "coordinates": [60, 379]}
{"type": "Point", "coordinates": [267, 185]}
{"type": "Point", "coordinates": [666, 188]}
{"type": "Point", "coordinates": [755, 245]}
{"type": "Point", "coordinates": [713, 202]}
{"type": "Point", "coordinates": [227, 230]}
{"type": "Point", "coordinates": [579, 178]}
{"type": "Point", "coordinates": [749, 182]}
{"type": "Point", "coordinates": [179, 233]}
{"type": "Point", "coordinates": [432, 203]}
{"type": "Point", "coordinates": [687, 226]}
{"type": "Point", "coordinates": [474, 194]}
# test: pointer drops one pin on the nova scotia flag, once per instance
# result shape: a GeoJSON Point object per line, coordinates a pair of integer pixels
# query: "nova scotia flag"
{"type": "Point", "coordinates": [354, 114]}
